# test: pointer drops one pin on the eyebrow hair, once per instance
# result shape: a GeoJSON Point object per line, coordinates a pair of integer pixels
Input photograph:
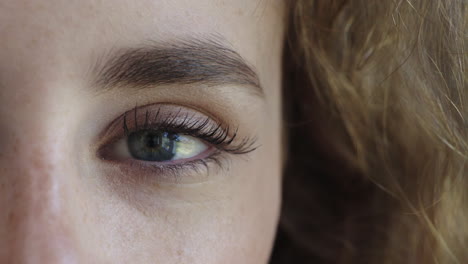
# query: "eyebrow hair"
{"type": "Point", "coordinates": [182, 61]}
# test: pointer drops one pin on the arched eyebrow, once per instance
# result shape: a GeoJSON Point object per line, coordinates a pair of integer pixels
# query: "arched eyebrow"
{"type": "Point", "coordinates": [182, 61]}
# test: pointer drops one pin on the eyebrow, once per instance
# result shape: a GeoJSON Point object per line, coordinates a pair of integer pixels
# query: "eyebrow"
{"type": "Point", "coordinates": [207, 61]}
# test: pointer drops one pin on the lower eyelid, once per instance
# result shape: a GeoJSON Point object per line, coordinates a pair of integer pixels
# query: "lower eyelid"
{"type": "Point", "coordinates": [194, 171]}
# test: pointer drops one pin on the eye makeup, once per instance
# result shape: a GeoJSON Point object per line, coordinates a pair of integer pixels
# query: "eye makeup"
{"type": "Point", "coordinates": [221, 141]}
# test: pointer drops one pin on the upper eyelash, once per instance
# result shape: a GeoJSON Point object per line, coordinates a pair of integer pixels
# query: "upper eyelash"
{"type": "Point", "coordinates": [214, 133]}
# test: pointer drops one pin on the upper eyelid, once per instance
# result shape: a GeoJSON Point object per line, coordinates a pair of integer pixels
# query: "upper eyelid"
{"type": "Point", "coordinates": [171, 122]}
{"type": "Point", "coordinates": [215, 133]}
{"type": "Point", "coordinates": [117, 121]}
{"type": "Point", "coordinates": [164, 116]}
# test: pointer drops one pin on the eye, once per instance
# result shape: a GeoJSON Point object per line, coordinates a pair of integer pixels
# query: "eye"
{"type": "Point", "coordinates": [159, 146]}
{"type": "Point", "coordinates": [169, 140]}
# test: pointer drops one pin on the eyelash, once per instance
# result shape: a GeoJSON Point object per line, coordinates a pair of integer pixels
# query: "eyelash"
{"type": "Point", "coordinates": [213, 133]}
{"type": "Point", "coordinates": [219, 137]}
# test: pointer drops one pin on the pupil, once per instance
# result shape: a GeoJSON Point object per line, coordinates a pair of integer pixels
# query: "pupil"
{"type": "Point", "coordinates": [152, 141]}
{"type": "Point", "coordinates": [151, 145]}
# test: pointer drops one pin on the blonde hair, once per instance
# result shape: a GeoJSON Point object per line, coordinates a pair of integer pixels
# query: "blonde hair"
{"type": "Point", "coordinates": [376, 109]}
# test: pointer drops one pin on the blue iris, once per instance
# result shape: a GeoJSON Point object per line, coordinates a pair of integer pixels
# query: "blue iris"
{"type": "Point", "coordinates": [152, 145]}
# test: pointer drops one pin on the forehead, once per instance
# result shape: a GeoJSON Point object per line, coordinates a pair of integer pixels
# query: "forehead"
{"type": "Point", "coordinates": [69, 35]}
{"type": "Point", "coordinates": [172, 14]}
{"type": "Point", "coordinates": [106, 22]}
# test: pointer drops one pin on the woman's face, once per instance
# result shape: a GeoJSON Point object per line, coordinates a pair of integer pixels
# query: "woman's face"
{"type": "Point", "coordinates": [144, 131]}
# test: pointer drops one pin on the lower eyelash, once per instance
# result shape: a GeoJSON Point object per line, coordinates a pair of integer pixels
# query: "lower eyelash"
{"type": "Point", "coordinates": [179, 172]}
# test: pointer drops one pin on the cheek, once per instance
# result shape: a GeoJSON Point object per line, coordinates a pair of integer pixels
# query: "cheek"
{"type": "Point", "coordinates": [232, 220]}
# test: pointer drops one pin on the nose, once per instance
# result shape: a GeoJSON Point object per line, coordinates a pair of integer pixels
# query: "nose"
{"type": "Point", "coordinates": [36, 225]}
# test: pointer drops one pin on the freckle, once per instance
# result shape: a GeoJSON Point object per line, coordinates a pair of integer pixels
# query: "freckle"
{"type": "Point", "coordinates": [156, 185]}
{"type": "Point", "coordinates": [15, 146]}
{"type": "Point", "coordinates": [32, 43]}
{"type": "Point", "coordinates": [11, 218]}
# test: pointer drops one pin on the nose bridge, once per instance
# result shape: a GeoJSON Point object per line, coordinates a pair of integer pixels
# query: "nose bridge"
{"type": "Point", "coordinates": [35, 185]}
{"type": "Point", "coordinates": [33, 197]}
{"type": "Point", "coordinates": [32, 173]}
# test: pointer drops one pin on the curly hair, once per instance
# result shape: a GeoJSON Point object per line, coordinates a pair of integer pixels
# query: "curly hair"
{"type": "Point", "coordinates": [376, 103]}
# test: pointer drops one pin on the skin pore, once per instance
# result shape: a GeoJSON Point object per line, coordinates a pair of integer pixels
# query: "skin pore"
{"type": "Point", "coordinates": [76, 77]}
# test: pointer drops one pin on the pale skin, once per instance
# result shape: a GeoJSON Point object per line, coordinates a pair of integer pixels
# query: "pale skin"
{"type": "Point", "coordinates": [62, 202]}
